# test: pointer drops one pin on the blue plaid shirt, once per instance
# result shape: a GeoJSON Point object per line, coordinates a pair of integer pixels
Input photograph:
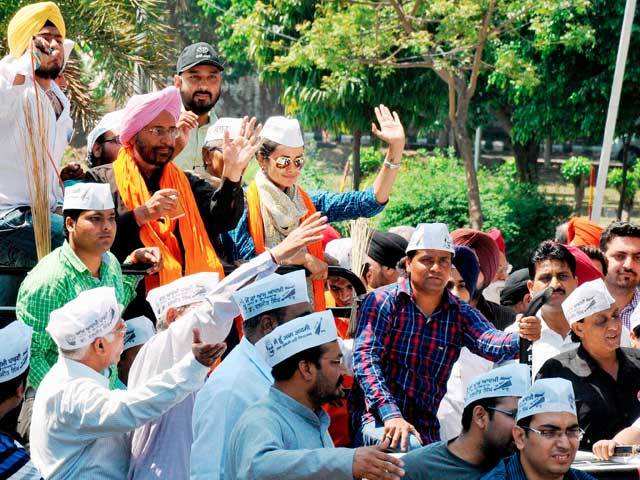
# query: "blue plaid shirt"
{"type": "Point", "coordinates": [510, 468]}
{"type": "Point", "coordinates": [335, 206]}
{"type": "Point", "coordinates": [402, 358]}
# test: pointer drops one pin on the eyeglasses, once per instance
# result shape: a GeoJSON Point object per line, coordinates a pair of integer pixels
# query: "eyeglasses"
{"type": "Point", "coordinates": [160, 132]}
{"type": "Point", "coordinates": [512, 413]}
{"type": "Point", "coordinates": [556, 433]}
{"type": "Point", "coordinates": [284, 162]}
{"type": "Point", "coordinates": [115, 139]}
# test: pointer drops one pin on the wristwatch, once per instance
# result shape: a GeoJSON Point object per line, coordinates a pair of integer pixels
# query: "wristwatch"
{"type": "Point", "coordinates": [390, 165]}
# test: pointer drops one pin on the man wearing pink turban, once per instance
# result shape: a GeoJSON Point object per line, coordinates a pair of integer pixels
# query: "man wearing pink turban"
{"type": "Point", "coordinates": [160, 205]}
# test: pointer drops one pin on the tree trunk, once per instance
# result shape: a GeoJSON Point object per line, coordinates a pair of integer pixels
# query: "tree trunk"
{"type": "Point", "coordinates": [465, 146]}
{"type": "Point", "coordinates": [625, 169]}
{"type": "Point", "coordinates": [527, 160]}
{"type": "Point", "coordinates": [548, 147]}
{"type": "Point", "coordinates": [357, 141]}
{"type": "Point", "coordinates": [579, 195]}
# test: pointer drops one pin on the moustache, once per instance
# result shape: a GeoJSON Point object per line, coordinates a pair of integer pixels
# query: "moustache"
{"type": "Point", "coordinates": [560, 290]}
{"type": "Point", "coordinates": [202, 92]}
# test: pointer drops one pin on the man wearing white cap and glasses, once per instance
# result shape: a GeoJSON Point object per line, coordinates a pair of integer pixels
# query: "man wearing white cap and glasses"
{"type": "Point", "coordinates": [139, 331]}
{"type": "Point", "coordinates": [285, 435]}
{"type": "Point", "coordinates": [161, 448]}
{"type": "Point", "coordinates": [103, 142]}
{"type": "Point", "coordinates": [79, 426]}
{"type": "Point", "coordinates": [15, 340]}
{"type": "Point", "coordinates": [81, 263]}
{"type": "Point", "coordinates": [276, 204]}
{"type": "Point", "coordinates": [244, 377]}
{"type": "Point", "coordinates": [408, 337]}
{"type": "Point", "coordinates": [605, 376]}
{"type": "Point", "coordinates": [546, 435]}
{"type": "Point", "coordinates": [488, 418]}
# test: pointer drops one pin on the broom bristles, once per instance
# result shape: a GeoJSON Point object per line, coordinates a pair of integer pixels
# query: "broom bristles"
{"type": "Point", "coordinates": [360, 240]}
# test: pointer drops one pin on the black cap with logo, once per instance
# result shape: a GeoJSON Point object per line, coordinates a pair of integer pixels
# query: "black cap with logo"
{"type": "Point", "coordinates": [200, 53]}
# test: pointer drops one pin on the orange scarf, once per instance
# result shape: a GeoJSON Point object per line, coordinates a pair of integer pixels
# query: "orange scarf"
{"type": "Point", "coordinates": [256, 230]}
{"type": "Point", "coordinates": [199, 253]}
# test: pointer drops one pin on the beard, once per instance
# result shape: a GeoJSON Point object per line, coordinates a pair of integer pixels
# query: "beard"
{"type": "Point", "coordinates": [201, 105]}
{"type": "Point", "coordinates": [49, 73]}
{"type": "Point", "coordinates": [154, 155]}
{"type": "Point", "coordinates": [494, 452]}
{"type": "Point", "coordinates": [323, 393]}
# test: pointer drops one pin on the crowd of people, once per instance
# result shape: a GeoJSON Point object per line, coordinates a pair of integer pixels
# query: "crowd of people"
{"type": "Point", "coordinates": [159, 340]}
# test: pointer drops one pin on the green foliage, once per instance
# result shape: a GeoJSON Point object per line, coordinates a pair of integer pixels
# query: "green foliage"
{"type": "Point", "coordinates": [576, 169]}
{"type": "Point", "coordinates": [370, 160]}
{"type": "Point", "coordinates": [433, 189]}
{"type": "Point", "coordinates": [614, 179]}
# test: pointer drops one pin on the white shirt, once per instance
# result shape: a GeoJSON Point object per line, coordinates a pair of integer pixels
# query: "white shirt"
{"type": "Point", "coordinates": [191, 156]}
{"type": "Point", "coordinates": [241, 380]}
{"type": "Point", "coordinates": [161, 448]}
{"type": "Point", "coordinates": [79, 426]}
{"type": "Point", "coordinates": [14, 182]}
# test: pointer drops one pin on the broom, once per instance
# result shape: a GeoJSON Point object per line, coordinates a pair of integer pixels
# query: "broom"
{"type": "Point", "coordinates": [360, 239]}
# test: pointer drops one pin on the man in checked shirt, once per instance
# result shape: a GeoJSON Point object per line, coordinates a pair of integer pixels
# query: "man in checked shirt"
{"type": "Point", "coordinates": [408, 337]}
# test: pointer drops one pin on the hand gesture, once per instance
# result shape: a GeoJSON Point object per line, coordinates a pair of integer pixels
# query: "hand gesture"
{"type": "Point", "coordinates": [41, 52]}
{"type": "Point", "coordinates": [146, 255]}
{"type": "Point", "coordinates": [308, 232]}
{"type": "Point", "coordinates": [237, 153]}
{"type": "Point", "coordinates": [318, 269]}
{"type": "Point", "coordinates": [391, 130]}
{"type": "Point", "coordinates": [373, 463]}
{"type": "Point", "coordinates": [530, 328]}
{"type": "Point", "coordinates": [187, 122]}
{"type": "Point", "coordinates": [206, 353]}
{"type": "Point", "coordinates": [397, 430]}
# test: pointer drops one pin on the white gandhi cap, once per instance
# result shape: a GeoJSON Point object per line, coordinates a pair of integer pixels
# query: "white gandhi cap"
{"type": "Point", "coordinates": [15, 344]}
{"type": "Point", "coordinates": [431, 236]}
{"type": "Point", "coordinates": [283, 131]}
{"type": "Point", "coordinates": [181, 292]}
{"type": "Point", "coordinates": [215, 133]}
{"type": "Point", "coordinates": [273, 291]}
{"type": "Point", "coordinates": [92, 314]}
{"type": "Point", "coordinates": [139, 331]}
{"type": "Point", "coordinates": [88, 196]}
{"type": "Point", "coordinates": [300, 334]}
{"type": "Point", "coordinates": [589, 298]}
{"type": "Point", "coordinates": [512, 380]}
{"type": "Point", "coordinates": [548, 395]}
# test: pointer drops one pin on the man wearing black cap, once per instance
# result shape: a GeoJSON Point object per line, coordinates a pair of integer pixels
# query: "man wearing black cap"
{"type": "Point", "coordinates": [385, 251]}
{"type": "Point", "coordinates": [199, 78]}
{"type": "Point", "coordinates": [515, 293]}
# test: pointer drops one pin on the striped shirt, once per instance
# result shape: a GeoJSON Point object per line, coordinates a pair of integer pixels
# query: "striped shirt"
{"type": "Point", "coordinates": [57, 279]}
{"type": "Point", "coordinates": [403, 358]}
{"type": "Point", "coordinates": [511, 469]}
{"type": "Point", "coordinates": [627, 310]}
{"type": "Point", "coordinates": [15, 463]}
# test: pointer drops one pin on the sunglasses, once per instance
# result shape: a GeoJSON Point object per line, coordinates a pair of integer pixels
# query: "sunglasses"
{"type": "Point", "coordinates": [284, 162]}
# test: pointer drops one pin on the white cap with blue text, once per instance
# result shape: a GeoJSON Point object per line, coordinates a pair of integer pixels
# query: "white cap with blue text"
{"type": "Point", "coordinates": [588, 299]}
{"type": "Point", "coordinates": [512, 380]}
{"type": "Point", "coordinates": [431, 236]}
{"type": "Point", "coordinates": [271, 292]}
{"type": "Point", "coordinates": [283, 131]}
{"type": "Point", "coordinates": [181, 292]}
{"type": "Point", "coordinates": [139, 331]}
{"type": "Point", "coordinates": [88, 196]}
{"type": "Point", "coordinates": [15, 345]}
{"type": "Point", "coordinates": [298, 335]}
{"type": "Point", "coordinates": [548, 395]}
{"type": "Point", "coordinates": [111, 122]}
{"type": "Point", "coordinates": [215, 133]}
{"type": "Point", "coordinates": [92, 314]}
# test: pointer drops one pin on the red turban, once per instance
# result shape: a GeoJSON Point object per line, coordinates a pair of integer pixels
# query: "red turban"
{"type": "Point", "coordinates": [582, 231]}
{"type": "Point", "coordinates": [498, 238]}
{"type": "Point", "coordinates": [585, 271]}
{"type": "Point", "coordinates": [485, 248]}
{"type": "Point", "coordinates": [328, 234]}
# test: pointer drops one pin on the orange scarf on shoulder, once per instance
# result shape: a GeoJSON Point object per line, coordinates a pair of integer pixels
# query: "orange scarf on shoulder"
{"type": "Point", "coordinates": [199, 254]}
{"type": "Point", "coordinates": [256, 230]}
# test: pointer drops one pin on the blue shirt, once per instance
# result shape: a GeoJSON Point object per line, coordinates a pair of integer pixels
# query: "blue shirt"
{"type": "Point", "coordinates": [335, 206]}
{"type": "Point", "coordinates": [15, 461]}
{"type": "Point", "coordinates": [511, 469]}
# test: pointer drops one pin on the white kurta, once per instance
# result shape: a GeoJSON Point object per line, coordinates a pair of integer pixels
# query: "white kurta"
{"type": "Point", "coordinates": [241, 380]}
{"type": "Point", "coordinates": [161, 448]}
{"type": "Point", "coordinates": [79, 426]}
{"type": "Point", "coordinates": [14, 189]}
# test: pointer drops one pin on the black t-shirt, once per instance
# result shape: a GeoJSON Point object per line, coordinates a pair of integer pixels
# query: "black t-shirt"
{"type": "Point", "coordinates": [605, 405]}
{"type": "Point", "coordinates": [501, 317]}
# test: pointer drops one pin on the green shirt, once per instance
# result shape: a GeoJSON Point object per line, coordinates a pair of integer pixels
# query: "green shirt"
{"type": "Point", "coordinates": [57, 279]}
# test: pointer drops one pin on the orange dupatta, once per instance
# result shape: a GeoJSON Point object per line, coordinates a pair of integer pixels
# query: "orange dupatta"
{"type": "Point", "coordinates": [256, 230]}
{"type": "Point", "coordinates": [200, 255]}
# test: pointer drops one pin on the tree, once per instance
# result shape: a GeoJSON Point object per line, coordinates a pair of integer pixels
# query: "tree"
{"type": "Point", "coordinates": [577, 170]}
{"type": "Point", "coordinates": [449, 38]}
{"type": "Point", "coordinates": [318, 96]}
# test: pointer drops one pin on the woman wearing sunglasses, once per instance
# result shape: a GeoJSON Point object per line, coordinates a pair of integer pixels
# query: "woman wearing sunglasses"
{"type": "Point", "coordinates": [276, 204]}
